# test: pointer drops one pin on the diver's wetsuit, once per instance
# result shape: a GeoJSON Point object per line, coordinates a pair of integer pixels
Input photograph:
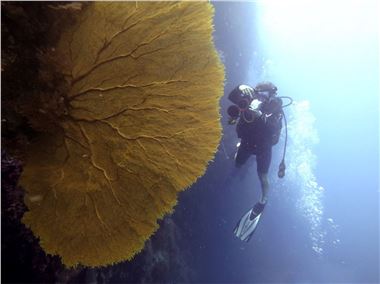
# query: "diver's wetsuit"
{"type": "Point", "coordinates": [258, 137]}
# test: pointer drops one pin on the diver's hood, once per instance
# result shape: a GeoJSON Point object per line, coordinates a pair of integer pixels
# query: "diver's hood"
{"type": "Point", "coordinates": [267, 88]}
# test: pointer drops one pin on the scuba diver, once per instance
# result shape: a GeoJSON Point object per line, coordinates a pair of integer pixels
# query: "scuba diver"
{"type": "Point", "coordinates": [258, 113]}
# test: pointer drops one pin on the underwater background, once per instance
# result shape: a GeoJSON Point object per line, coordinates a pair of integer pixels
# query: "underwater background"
{"type": "Point", "coordinates": [321, 224]}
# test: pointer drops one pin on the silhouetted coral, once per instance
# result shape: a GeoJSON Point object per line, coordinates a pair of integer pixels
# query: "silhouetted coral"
{"type": "Point", "coordinates": [125, 117]}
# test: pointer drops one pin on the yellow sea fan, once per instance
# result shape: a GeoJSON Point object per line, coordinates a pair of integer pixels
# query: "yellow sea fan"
{"type": "Point", "coordinates": [142, 123]}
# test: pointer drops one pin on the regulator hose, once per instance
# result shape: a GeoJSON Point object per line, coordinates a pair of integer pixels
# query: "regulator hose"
{"type": "Point", "coordinates": [282, 167]}
{"type": "Point", "coordinates": [288, 98]}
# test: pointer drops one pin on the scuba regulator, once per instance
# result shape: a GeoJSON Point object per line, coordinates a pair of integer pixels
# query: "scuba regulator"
{"type": "Point", "coordinates": [247, 105]}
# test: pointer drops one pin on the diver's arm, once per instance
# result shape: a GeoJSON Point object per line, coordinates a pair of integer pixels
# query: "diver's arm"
{"type": "Point", "coordinates": [241, 96]}
{"type": "Point", "coordinates": [239, 92]}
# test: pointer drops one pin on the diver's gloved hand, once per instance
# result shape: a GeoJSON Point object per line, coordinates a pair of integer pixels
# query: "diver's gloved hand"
{"type": "Point", "coordinates": [247, 90]}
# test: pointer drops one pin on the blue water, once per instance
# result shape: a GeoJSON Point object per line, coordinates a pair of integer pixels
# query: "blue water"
{"type": "Point", "coordinates": [322, 220]}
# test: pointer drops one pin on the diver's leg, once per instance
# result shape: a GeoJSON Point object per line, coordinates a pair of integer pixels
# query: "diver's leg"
{"type": "Point", "coordinates": [263, 162]}
{"type": "Point", "coordinates": [259, 206]}
{"type": "Point", "coordinates": [263, 177]}
{"type": "Point", "coordinates": [242, 155]}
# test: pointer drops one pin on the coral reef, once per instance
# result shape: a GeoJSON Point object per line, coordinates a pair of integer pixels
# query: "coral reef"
{"type": "Point", "coordinates": [132, 121]}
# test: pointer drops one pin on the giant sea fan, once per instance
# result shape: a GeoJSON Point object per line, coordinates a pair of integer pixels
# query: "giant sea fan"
{"type": "Point", "coordinates": [138, 123]}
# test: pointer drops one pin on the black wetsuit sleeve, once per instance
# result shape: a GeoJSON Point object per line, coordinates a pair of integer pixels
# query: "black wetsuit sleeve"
{"type": "Point", "coordinates": [235, 95]}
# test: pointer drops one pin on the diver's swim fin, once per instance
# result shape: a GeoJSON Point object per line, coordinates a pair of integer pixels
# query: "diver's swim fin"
{"type": "Point", "coordinates": [246, 227]}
